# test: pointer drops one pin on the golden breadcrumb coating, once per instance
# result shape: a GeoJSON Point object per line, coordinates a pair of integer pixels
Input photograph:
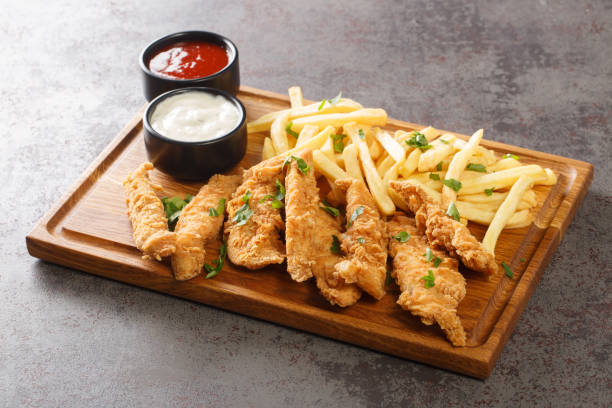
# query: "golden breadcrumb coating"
{"type": "Point", "coordinates": [196, 226]}
{"type": "Point", "coordinates": [146, 213]}
{"type": "Point", "coordinates": [444, 232]}
{"type": "Point", "coordinates": [366, 261]}
{"type": "Point", "coordinates": [301, 207]}
{"type": "Point", "coordinates": [435, 304]}
{"type": "Point", "coordinates": [257, 243]}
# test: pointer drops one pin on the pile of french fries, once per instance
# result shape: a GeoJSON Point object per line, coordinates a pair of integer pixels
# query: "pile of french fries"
{"type": "Point", "coordinates": [347, 140]}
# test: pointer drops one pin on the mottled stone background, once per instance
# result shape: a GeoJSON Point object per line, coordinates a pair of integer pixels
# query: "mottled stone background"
{"type": "Point", "coordinates": [533, 73]}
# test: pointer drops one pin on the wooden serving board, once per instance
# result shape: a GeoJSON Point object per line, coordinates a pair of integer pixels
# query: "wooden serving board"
{"type": "Point", "coordinates": [88, 229]}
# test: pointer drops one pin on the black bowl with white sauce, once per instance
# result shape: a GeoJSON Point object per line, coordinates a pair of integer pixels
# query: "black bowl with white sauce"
{"type": "Point", "coordinates": [193, 133]}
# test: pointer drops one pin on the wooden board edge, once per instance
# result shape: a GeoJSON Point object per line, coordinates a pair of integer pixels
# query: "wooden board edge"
{"type": "Point", "coordinates": [469, 361]}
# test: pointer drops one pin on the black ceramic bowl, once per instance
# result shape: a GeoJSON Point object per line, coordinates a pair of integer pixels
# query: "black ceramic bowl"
{"type": "Point", "coordinates": [195, 160]}
{"type": "Point", "coordinates": [228, 79]}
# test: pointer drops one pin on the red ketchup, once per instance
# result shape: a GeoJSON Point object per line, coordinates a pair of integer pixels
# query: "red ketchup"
{"type": "Point", "coordinates": [189, 60]}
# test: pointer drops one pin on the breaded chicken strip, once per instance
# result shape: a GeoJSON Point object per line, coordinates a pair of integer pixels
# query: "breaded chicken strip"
{"type": "Point", "coordinates": [256, 243]}
{"type": "Point", "coordinates": [365, 241]}
{"type": "Point", "coordinates": [434, 304]}
{"type": "Point", "coordinates": [444, 232]}
{"type": "Point", "coordinates": [197, 225]}
{"type": "Point", "coordinates": [146, 212]}
{"type": "Point", "coordinates": [301, 208]}
{"type": "Point", "coordinates": [332, 286]}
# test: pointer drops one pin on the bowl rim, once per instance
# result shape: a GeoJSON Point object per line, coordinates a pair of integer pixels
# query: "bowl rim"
{"type": "Point", "coordinates": [153, 104]}
{"type": "Point", "coordinates": [178, 36]}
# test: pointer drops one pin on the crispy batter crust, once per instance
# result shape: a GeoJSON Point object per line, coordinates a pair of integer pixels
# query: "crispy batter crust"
{"type": "Point", "coordinates": [146, 213]}
{"type": "Point", "coordinates": [301, 207]}
{"type": "Point", "coordinates": [436, 304]}
{"type": "Point", "coordinates": [195, 226]}
{"type": "Point", "coordinates": [257, 243]}
{"type": "Point", "coordinates": [365, 264]}
{"type": "Point", "coordinates": [332, 286]}
{"type": "Point", "coordinates": [443, 231]}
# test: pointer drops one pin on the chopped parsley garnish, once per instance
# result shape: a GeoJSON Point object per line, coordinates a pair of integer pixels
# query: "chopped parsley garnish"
{"type": "Point", "coordinates": [361, 134]}
{"type": "Point", "coordinates": [327, 207]}
{"type": "Point", "coordinates": [437, 261]}
{"type": "Point", "coordinates": [511, 156]}
{"type": "Point", "coordinates": [428, 255]}
{"type": "Point", "coordinates": [389, 278]}
{"type": "Point", "coordinates": [332, 101]}
{"type": "Point", "coordinates": [439, 166]}
{"type": "Point", "coordinates": [522, 259]}
{"type": "Point", "coordinates": [476, 167]}
{"type": "Point", "coordinates": [434, 176]}
{"type": "Point", "coordinates": [430, 280]}
{"type": "Point", "coordinates": [246, 197]}
{"type": "Point", "coordinates": [419, 141]}
{"type": "Point", "coordinates": [402, 236]}
{"type": "Point", "coordinates": [489, 191]}
{"type": "Point", "coordinates": [452, 183]}
{"type": "Point", "coordinates": [277, 197]}
{"type": "Point", "coordinates": [358, 211]}
{"type": "Point", "coordinates": [361, 240]}
{"type": "Point", "coordinates": [338, 143]}
{"type": "Point", "coordinates": [244, 213]}
{"type": "Point", "coordinates": [452, 211]}
{"type": "Point", "coordinates": [214, 212]}
{"type": "Point", "coordinates": [444, 141]}
{"type": "Point", "coordinates": [507, 270]}
{"type": "Point", "coordinates": [291, 132]}
{"type": "Point", "coordinates": [301, 163]}
{"type": "Point", "coordinates": [335, 246]}
{"type": "Point", "coordinates": [173, 207]}
{"type": "Point", "coordinates": [214, 270]}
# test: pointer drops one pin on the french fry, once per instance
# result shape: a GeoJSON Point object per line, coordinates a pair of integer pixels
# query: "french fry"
{"type": "Point", "coordinates": [377, 188]}
{"type": "Point", "coordinates": [295, 97]}
{"type": "Point", "coordinates": [375, 149]}
{"type": "Point", "coordinates": [374, 117]}
{"type": "Point", "coordinates": [499, 180]}
{"type": "Point", "coordinates": [384, 165]}
{"type": "Point", "coordinates": [529, 198]}
{"type": "Point", "coordinates": [398, 200]}
{"type": "Point", "coordinates": [351, 162]}
{"type": "Point", "coordinates": [441, 149]}
{"type": "Point", "coordinates": [505, 211]}
{"type": "Point", "coordinates": [395, 150]}
{"type": "Point", "coordinates": [268, 149]}
{"type": "Point", "coordinates": [549, 180]}
{"type": "Point", "coordinates": [328, 150]}
{"type": "Point", "coordinates": [391, 174]}
{"type": "Point", "coordinates": [314, 143]}
{"type": "Point", "coordinates": [457, 165]}
{"type": "Point", "coordinates": [278, 134]}
{"type": "Point", "coordinates": [504, 164]}
{"type": "Point", "coordinates": [264, 123]}
{"type": "Point", "coordinates": [326, 167]}
{"type": "Point", "coordinates": [306, 134]}
{"type": "Point", "coordinates": [411, 163]}
{"type": "Point", "coordinates": [340, 160]}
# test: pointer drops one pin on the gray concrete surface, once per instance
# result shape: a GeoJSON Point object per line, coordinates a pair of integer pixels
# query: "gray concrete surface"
{"type": "Point", "coordinates": [533, 73]}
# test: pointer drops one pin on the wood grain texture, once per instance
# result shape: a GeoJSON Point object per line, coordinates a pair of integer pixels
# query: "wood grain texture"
{"type": "Point", "coordinates": [88, 229]}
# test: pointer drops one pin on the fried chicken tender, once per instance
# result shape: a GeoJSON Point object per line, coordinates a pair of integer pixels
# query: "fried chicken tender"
{"type": "Point", "coordinates": [257, 243]}
{"type": "Point", "coordinates": [146, 213]}
{"type": "Point", "coordinates": [438, 303]}
{"type": "Point", "coordinates": [332, 286]}
{"type": "Point", "coordinates": [196, 226]}
{"type": "Point", "coordinates": [444, 232]}
{"type": "Point", "coordinates": [365, 263]}
{"type": "Point", "coordinates": [301, 207]}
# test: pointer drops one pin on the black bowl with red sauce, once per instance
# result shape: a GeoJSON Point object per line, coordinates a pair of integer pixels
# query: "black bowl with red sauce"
{"type": "Point", "coordinates": [189, 59]}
